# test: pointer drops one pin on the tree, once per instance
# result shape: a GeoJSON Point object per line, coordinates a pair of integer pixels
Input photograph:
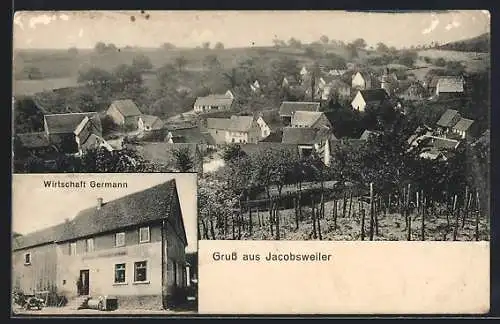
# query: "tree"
{"type": "Point", "coordinates": [95, 75]}
{"type": "Point", "coordinates": [27, 116]}
{"type": "Point", "coordinates": [440, 62]}
{"type": "Point", "coordinates": [232, 152]}
{"type": "Point", "coordinates": [231, 77]}
{"type": "Point", "coordinates": [324, 39]}
{"type": "Point", "coordinates": [219, 46]}
{"type": "Point", "coordinates": [166, 74]}
{"type": "Point", "coordinates": [142, 63]}
{"type": "Point", "coordinates": [382, 48]}
{"type": "Point", "coordinates": [352, 50]}
{"type": "Point", "coordinates": [183, 160]}
{"type": "Point", "coordinates": [128, 74]}
{"type": "Point", "coordinates": [279, 43]}
{"type": "Point", "coordinates": [407, 57]}
{"type": "Point", "coordinates": [181, 63]}
{"type": "Point", "coordinates": [359, 43]}
{"type": "Point", "coordinates": [310, 52]}
{"type": "Point", "coordinates": [206, 45]}
{"type": "Point", "coordinates": [211, 62]}
{"type": "Point", "coordinates": [295, 43]}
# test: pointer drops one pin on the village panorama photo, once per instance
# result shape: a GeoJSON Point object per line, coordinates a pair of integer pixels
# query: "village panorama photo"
{"type": "Point", "coordinates": [302, 130]}
{"type": "Point", "coordinates": [78, 249]}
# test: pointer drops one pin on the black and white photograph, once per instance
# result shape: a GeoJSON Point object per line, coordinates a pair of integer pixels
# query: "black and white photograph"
{"type": "Point", "coordinates": [104, 244]}
{"type": "Point", "coordinates": [373, 133]}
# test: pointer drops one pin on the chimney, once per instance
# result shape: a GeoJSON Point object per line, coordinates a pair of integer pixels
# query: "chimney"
{"type": "Point", "coordinates": [99, 203]}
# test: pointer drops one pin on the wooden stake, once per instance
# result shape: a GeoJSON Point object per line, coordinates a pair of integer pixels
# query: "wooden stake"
{"type": "Point", "coordinates": [371, 212]}
{"type": "Point", "coordinates": [362, 224]}
{"type": "Point", "coordinates": [424, 204]}
{"type": "Point", "coordinates": [478, 211]}
{"type": "Point", "coordinates": [350, 205]}
{"type": "Point", "coordinates": [456, 214]}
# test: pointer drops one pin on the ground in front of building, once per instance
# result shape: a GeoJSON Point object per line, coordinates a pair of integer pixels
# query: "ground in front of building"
{"type": "Point", "coordinates": [71, 311]}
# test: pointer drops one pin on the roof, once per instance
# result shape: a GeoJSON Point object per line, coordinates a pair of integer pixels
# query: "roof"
{"type": "Point", "coordinates": [308, 118]}
{"type": "Point", "coordinates": [287, 108]}
{"type": "Point", "coordinates": [126, 107]}
{"type": "Point", "coordinates": [367, 133]}
{"type": "Point", "coordinates": [191, 135]}
{"type": "Point", "coordinates": [450, 84]}
{"type": "Point", "coordinates": [152, 121]}
{"type": "Point", "coordinates": [463, 124]}
{"type": "Point", "coordinates": [44, 236]}
{"type": "Point", "coordinates": [374, 95]}
{"type": "Point", "coordinates": [484, 139]}
{"type": "Point", "coordinates": [235, 123]}
{"type": "Point", "coordinates": [294, 135]}
{"type": "Point", "coordinates": [152, 204]}
{"type": "Point", "coordinates": [241, 123]}
{"type": "Point", "coordinates": [92, 141]}
{"type": "Point", "coordinates": [33, 140]}
{"type": "Point", "coordinates": [274, 137]}
{"type": "Point", "coordinates": [259, 147]}
{"type": "Point", "coordinates": [447, 118]}
{"type": "Point", "coordinates": [440, 142]}
{"type": "Point", "coordinates": [68, 122]}
{"type": "Point", "coordinates": [214, 100]}
{"type": "Point", "coordinates": [290, 79]}
{"type": "Point", "coordinates": [218, 123]}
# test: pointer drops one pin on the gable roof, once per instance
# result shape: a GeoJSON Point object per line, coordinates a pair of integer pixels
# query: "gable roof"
{"type": "Point", "coordinates": [126, 107]}
{"type": "Point", "coordinates": [218, 123]}
{"type": "Point", "coordinates": [294, 135]}
{"type": "Point", "coordinates": [374, 95]}
{"type": "Point", "coordinates": [139, 208]}
{"type": "Point", "coordinates": [240, 123]}
{"type": "Point", "coordinates": [447, 118]}
{"type": "Point", "coordinates": [308, 118]}
{"type": "Point", "coordinates": [68, 122]}
{"type": "Point", "coordinates": [44, 236]}
{"type": "Point", "coordinates": [251, 148]}
{"type": "Point", "coordinates": [287, 108]}
{"type": "Point", "coordinates": [152, 121]}
{"type": "Point", "coordinates": [214, 100]}
{"type": "Point", "coordinates": [292, 80]}
{"type": "Point", "coordinates": [450, 84]}
{"type": "Point", "coordinates": [275, 136]}
{"type": "Point", "coordinates": [463, 124]}
{"type": "Point", "coordinates": [33, 140]}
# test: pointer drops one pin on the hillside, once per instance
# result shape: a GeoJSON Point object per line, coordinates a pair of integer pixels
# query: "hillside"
{"type": "Point", "coordinates": [480, 44]}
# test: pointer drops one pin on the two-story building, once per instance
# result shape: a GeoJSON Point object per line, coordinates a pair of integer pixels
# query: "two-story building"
{"type": "Point", "coordinates": [214, 102]}
{"type": "Point", "coordinates": [237, 129]}
{"type": "Point", "coordinates": [132, 248]}
{"type": "Point", "coordinates": [451, 122]}
{"type": "Point", "coordinates": [371, 97]}
{"type": "Point", "coordinates": [310, 119]}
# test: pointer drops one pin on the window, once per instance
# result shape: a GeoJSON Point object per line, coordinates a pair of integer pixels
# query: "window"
{"type": "Point", "coordinates": [120, 239]}
{"type": "Point", "coordinates": [140, 273]}
{"type": "Point", "coordinates": [144, 234]}
{"type": "Point", "coordinates": [27, 258]}
{"type": "Point", "coordinates": [174, 266]}
{"type": "Point", "coordinates": [120, 273]}
{"type": "Point", "coordinates": [89, 245]}
{"type": "Point", "coordinates": [72, 248]}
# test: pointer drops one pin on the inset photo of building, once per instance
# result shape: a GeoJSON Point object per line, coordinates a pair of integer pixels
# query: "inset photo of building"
{"type": "Point", "coordinates": [94, 244]}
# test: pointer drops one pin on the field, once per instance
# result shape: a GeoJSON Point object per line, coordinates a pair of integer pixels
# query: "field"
{"type": "Point", "coordinates": [473, 61]}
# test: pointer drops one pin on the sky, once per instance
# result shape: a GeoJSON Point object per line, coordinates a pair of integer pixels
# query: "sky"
{"type": "Point", "coordinates": [35, 207]}
{"type": "Point", "coordinates": [83, 29]}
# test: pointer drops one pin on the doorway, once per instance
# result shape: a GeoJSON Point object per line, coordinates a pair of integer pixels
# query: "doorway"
{"type": "Point", "coordinates": [83, 289]}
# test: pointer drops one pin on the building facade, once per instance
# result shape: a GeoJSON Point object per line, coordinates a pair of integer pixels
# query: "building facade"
{"type": "Point", "coordinates": [132, 248]}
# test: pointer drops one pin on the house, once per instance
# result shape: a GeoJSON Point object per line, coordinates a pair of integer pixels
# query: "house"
{"type": "Point", "coordinates": [149, 123]}
{"type": "Point", "coordinates": [328, 149]}
{"type": "Point", "coordinates": [446, 85]}
{"type": "Point", "coordinates": [461, 128]}
{"type": "Point", "coordinates": [73, 133]}
{"type": "Point", "coordinates": [255, 86]}
{"type": "Point", "coordinates": [275, 136]}
{"type": "Point", "coordinates": [371, 97]}
{"type": "Point", "coordinates": [447, 120]}
{"type": "Point", "coordinates": [132, 248]}
{"type": "Point", "coordinates": [304, 72]}
{"type": "Point", "coordinates": [308, 140]}
{"type": "Point", "coordinates": [361, 81]}
{"type": "Point", "coordinates": [214, 102]}
{"type": "Point", "coordinates": [192, 135]}
{"type": "Point", "coordinates": [288, 108]}
{"type": "Point", "coordinates": [388, 81]}
{"type": "Point", "coordinates": [310, 119]}
{"type": "Point", "coordinates": [124, 113]}
{"type": "Point", "coordinates": [437, 148]}
{"type": "Point", "coordinates": [237, 129]}
{"type": "Point", "coordinates": [415, 91]}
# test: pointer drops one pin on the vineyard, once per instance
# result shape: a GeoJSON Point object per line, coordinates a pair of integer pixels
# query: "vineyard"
{"type": "Point", "coordinates": [391, 218]}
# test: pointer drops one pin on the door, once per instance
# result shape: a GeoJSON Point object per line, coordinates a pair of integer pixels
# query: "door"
{"type": "Point", "coordinates": [84, 283]}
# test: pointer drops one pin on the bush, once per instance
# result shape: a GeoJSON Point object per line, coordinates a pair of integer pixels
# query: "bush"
{"type": "Point", "coordinates": [440, 62]}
